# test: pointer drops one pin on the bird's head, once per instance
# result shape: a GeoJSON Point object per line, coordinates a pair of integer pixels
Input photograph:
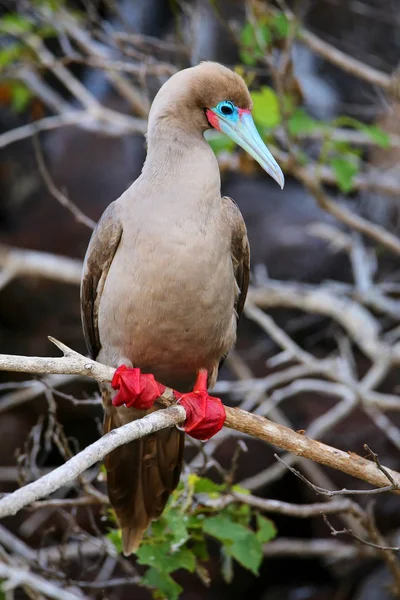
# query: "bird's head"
{"type": "Point", "coordinates": [211, 95]}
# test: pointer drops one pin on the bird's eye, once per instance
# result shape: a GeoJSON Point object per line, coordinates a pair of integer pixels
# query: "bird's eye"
{"type": "Point", "coordinates": [226, 108]}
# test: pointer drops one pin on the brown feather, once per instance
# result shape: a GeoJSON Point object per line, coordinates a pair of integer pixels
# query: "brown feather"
{"type": "Point", "coordinates": [99, 255]}
{"type": "Point", "coordinates": [240, 251]}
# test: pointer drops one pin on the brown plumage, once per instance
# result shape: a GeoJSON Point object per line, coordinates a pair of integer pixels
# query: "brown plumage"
{"type": "Point", "coordinates": [165, 279]}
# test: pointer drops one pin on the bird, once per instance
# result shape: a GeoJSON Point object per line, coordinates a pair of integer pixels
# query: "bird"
{"type": "Point", "coordinates": [164, 282]}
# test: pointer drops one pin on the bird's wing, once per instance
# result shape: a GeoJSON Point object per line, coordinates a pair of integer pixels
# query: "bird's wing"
{"type": "Point", "coordinates": [99, 256]}
{"type": "Point", "coordinates": [142, 474]}
{"type": "Point", "coordinates": [240, 251]}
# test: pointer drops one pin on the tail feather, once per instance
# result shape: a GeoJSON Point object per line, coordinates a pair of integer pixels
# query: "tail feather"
{"type": "Point", "coordinates": [131, 539]}
{"type": "Point", "coordinates": [140, 478]}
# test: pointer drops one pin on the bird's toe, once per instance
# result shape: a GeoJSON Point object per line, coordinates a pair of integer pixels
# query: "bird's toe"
{"type": "Point", "coordinates": [205, 414]}
{"type": "Point", "coordinates": [135, 389]}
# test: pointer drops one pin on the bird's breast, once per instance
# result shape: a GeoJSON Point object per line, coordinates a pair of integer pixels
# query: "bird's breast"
{"type": "Point", "coordinates": [174, 303]}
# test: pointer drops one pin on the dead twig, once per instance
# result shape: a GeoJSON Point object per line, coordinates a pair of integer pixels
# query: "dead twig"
{"type": "Point", "coordinates": [343, 492]}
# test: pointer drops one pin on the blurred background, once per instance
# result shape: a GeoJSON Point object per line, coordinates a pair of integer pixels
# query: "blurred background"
{"type": "Point", "coordinates": [316, 343]}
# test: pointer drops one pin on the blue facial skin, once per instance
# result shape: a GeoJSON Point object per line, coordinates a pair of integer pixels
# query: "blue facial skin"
{"type": "Point", "coordinates": [237, 123]}
{"type": "Point", "coordinates": [228, 110]}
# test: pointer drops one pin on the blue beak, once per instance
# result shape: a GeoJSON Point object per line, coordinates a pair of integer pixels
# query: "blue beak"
{"type": "Point", "coordinates": [244, 133]}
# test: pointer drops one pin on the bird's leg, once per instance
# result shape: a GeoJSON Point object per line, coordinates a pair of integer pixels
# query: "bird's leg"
{"type": "Point", "coordinates": [135, 389]}
{"type": "Point", "coordinates": [205, 415]}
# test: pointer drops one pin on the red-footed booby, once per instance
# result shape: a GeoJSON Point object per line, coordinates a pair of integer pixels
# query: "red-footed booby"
{"type": "Point", "coordinates": [164, 283]}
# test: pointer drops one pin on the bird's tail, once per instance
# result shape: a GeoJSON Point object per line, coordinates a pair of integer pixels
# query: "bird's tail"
{"type": "Point", "coordinates": [141, 476]}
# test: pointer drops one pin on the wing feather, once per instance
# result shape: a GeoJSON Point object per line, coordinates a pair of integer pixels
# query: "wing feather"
{"type": "Point", "coordinates": [240, 251]}
{"type": "Point", "coordinates": [99, 256]}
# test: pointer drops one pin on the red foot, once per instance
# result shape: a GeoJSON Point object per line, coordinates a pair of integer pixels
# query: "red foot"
{"type": "Point", "coordinates": [135, 389]}
{"type": "Point", "coordinates": [205, 415]}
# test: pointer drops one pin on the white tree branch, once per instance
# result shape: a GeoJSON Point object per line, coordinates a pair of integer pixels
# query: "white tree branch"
{"type": "Point", "coordinates": [254, 425]}
{"type": "Point", "coordinates": [19, 576]}
{"type": "Point", "coordinates": [70, 470]}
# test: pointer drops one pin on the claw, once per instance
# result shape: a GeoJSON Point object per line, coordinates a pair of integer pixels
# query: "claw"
{"type": "Point", "coordinates": [205, 414]}
{"type": "Point", "coordinates": [135, 389]}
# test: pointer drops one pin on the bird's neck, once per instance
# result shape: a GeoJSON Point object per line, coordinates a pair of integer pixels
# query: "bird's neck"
{"type": "Point", "coordinates": [181, 163]}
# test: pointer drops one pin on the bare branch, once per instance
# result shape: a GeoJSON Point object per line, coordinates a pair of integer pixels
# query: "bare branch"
{"type": "Point", "coordinates": [347, 63]}
{"type": "Point", "coordinates": [343, 492]}
{"type": "Point", "coordinates": [32, 389]}
{"type": "Point", "coordinates": [351, 533]}
{"type": "Point", "coordinates": [55, 192]}
{"type": "Point", "coordinates": [33, 263]}
{"type": "Point", "coordinates": [18, 576]}
{"type": "Point", "coordinates": [102, 120]}
{"type": "Point", "coordinates": [97, 451]}
{"type": "Point", "coordinates": [302, 511]}
{"type": "Point", "coordinates": [240, 420]}
{"type": "Point", "coordinates": [307, 548]}
{"type": "Point", "coordinates": [355, 319]}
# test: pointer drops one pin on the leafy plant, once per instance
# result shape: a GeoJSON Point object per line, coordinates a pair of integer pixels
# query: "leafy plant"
{"type": "Point", "coordinates": [345, 169]}
{"type": "Point", "coordinates": [257, 37]}
{"type": "Point", "coordinates": [21, 96]}
{"type": "Point", "coordinates": [301, 123]}
{"type": "Point", "coordinates": [251, 37]}
{"type": "Point", "coordinates": [219, 142]}
{"type": "Point", "coordinates": [377, 135]}
{"type": "Point", "coordinates": [14, 23]}
{"type": "Point", "coordinates": [266, 109]}
{"type": "Point", "coordinates": [178, 540]}
{"type": "Point", "coordinates": [10, 54]}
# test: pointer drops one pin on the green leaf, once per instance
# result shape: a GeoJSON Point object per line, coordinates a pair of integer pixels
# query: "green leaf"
{"type": "Point", "coordinates": [219, 142]}
{"type": "Point", "coordinates": [206, 486]}
{"type": "Point", "coordinates": [240, 490]}
{"type": "Point", "coordinates": [14, 23]}
{"type": "Point", "coordinates": [301, 122]}
{"type": "Point", "coordinates": [248, 552]}
{"type": "Point", "coordinates": [170, 590]}
{"type": "Point", "coordinates": [200, 550]}
{"type": "Point", "coordinates": [10, 54]}
{"type": "Point", "coordinates": [224, 529]}
{"type": "Point", "coordinates": [250, 50]}
{"type": "Point", "coordinates": [158, 527]}
{"type": "Point", "coordinates": [280, 25]}
{"type": "Point", "coordinates": [160, 556]}
{"type": "Point", "coordinates": [186, 559]}
{"type": "Point", "coordinates": [266, 111]}
{"type": "Point", "coordinates": [47, 31]}
{"type": "Point", "coordinates": [177, 525]}
{"type": "Point", "coordinates": [2, 593]}
{"type": "Point", "coordinates": [239, 541]}
{"type": "Point", "coordinates": [266, 529]}
{"type": "Point", "coordinates": [116, 538]}
{"type": "Point", "coordinates": [111, 516]}
{"type": "Point", "coordinates": [377, 134]}
{"type": "Point", "coordinates": [20, 97]}
{"type": "Point", "coordinates": [238, 513]}
{"type": "Point", "coordinates": [196, 521]}
{"type": "Point", "coordinates": [345, 170]}
{"type": "Point", "coordinates": [343, 148]}
{"type": "Point", "coordinates": [53, 5]}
